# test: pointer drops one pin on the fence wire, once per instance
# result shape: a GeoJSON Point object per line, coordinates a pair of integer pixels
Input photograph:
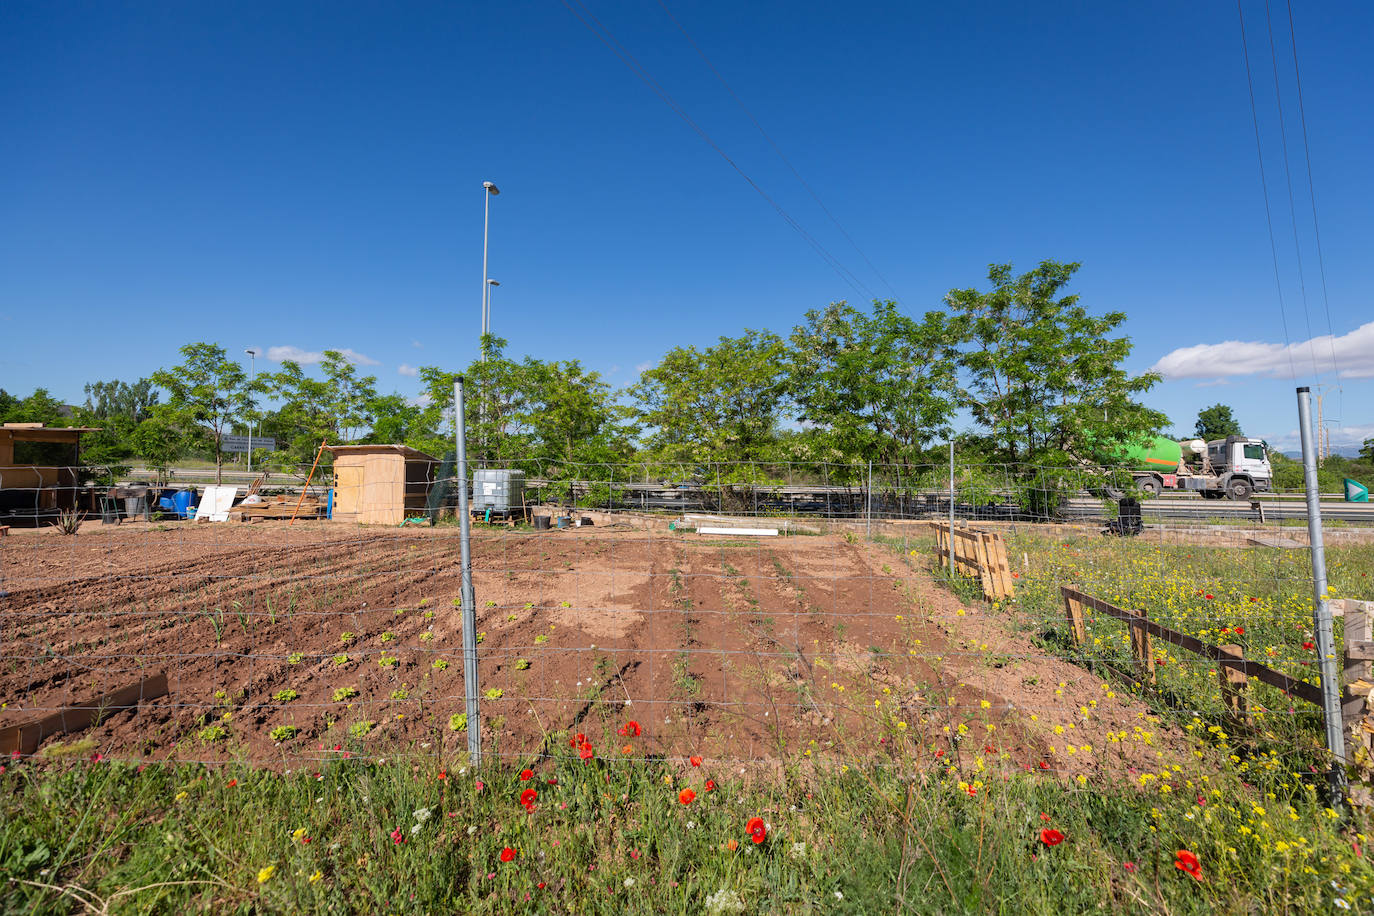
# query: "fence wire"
{"type": "Point", "coordinates": [762, 614]}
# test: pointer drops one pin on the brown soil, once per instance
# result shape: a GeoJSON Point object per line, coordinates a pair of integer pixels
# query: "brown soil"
{"type": "Point", "coordinates": [727, 647]}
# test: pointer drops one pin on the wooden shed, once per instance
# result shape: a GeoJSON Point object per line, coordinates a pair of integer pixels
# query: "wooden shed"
{"type": "Point", "coordinates": [380, 484]}
{"type": "Point", "coordinates": [38, 467]}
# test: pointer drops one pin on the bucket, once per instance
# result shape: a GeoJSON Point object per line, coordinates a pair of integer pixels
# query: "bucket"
{"type": "Point", "coordinates": [182, 501]}
{"type": "Point", "coordinates": [134, 506]}
{"type": "Point", "coordinates": [541, 523]}
{"type": "Point", "coordinates": [564, 521]}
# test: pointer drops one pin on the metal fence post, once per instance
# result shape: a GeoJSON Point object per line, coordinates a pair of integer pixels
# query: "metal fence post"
{"type": "Point", "coordinates": [1321, 606]}
{"type": "Point", "coordinates": [951, 508]}
{"type": "Point", "coordinates": [474, 713]}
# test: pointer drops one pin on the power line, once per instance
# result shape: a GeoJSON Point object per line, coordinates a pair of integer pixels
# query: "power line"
{"type": "Point", "coordinates": [1312, 196]}
{"type": "Point", "coordinates": [771, 142]}
{"type": "Point", "coordinates": [1292, 208]}
{"type": "Point", "coordinates": [609, 40]}
{"type": "Point", "coordinates": [1264, 186]}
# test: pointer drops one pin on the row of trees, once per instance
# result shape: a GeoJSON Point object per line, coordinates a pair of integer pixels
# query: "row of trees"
{"type": "Point", "coordinates": [1039, 376]}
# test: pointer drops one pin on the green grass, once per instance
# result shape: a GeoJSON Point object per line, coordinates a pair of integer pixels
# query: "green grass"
{"type": "Point", "coordinates": [613, 837]}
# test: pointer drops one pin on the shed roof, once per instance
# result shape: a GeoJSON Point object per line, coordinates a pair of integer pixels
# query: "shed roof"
{"type": "Point", "coordinates": [37, 432]}
{"type": "Point", "coordinates": [380, 449]}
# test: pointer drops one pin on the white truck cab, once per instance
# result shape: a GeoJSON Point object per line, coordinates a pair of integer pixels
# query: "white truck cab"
{"type": "Point", "coordinates": [1236, 467]}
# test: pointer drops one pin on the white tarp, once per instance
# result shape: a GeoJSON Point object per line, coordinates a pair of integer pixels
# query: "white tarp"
{"type": "Point", "coordinates": [754, 532]}
{"type": "Point", "coordinates": [216, 503]}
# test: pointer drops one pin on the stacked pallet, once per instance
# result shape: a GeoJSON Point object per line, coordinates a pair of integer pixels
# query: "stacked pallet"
{"type": "Point", "coordinates": [278, 507]}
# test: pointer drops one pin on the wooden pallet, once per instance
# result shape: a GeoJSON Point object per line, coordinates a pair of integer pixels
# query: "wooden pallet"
{"type": "Point", "coordinates": [979, 555]}
{"type": "Point", "coordinates": [277, 507]}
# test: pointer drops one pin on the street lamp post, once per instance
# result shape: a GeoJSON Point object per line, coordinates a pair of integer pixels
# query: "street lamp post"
{"type": "Point", "coordinates": [491, 284]}
{"type": "Point", "coordinates": [491, 191]}
{"type": "Point", "coordinates": [252, 375]}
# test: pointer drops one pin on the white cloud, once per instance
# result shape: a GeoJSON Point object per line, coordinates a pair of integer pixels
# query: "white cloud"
{"type": "Point", "coordinates": [643, 366]}
{"type": "Point", "coordinates": [1353, 357]}
{"type": "Point", "coordinates": [309, 357]}
{"type": "Point", "coordinates": [409, 371]}
{"type": "Point", "coordinates": [417, 345]}
{"type": "Point", "coordinates": [423, 400]}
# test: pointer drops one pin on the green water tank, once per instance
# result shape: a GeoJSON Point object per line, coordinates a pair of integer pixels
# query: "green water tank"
{"type": "Point", "coordinates": [1161, 455]}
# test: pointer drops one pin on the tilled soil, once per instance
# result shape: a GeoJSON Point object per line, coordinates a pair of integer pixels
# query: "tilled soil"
{"type": "Point", "coordinates": [736, 648]}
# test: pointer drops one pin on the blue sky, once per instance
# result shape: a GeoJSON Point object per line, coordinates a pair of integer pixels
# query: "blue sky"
{"type": "Point", "coordinates": [309, 175]}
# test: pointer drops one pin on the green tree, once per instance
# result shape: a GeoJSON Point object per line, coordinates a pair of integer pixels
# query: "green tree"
{"type": "Point", "coordinates": [874, 387]}
{"type": "Point", "coordinates": [337, 407]}
{"type": "Point", "coordinates": [116, 398]}
{"type": "Point", "coordinates": [160, 443]}
{"type": "Point", "coordinates": [1043, 376]}
{"type": "Point", "coordinates": [571, 416]}
{"type": "Point", "coordinates": [1216, 422]}
{"type": "Point", "coordinates": [1367, 450]}
{"type": "Point", "coordinates": [39, 407]}
{"type": "Point", "coordinates": [720, 404]}
{"type": "Point", "coordinates": [495, 394]}
{"type": "Point", "coordinates": [206, 395]}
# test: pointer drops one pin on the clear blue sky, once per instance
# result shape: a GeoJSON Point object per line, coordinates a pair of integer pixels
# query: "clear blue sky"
{"type": "Point", "coordinates": [309, 176]}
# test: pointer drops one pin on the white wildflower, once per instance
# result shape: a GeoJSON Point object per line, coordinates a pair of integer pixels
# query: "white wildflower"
{"type": "Point", "coordinates": [722, 902]}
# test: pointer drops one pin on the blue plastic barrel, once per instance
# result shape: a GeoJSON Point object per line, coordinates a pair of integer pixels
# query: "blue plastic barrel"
{"type": "Point", "coordinates": [183, 500]}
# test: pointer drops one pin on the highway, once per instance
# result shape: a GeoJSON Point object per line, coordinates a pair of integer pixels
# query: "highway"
{"type": "Point", "coordinates": [818, 499]}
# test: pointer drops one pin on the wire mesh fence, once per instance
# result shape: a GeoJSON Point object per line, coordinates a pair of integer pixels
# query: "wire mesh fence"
{"type": "Point", "coordinates": [763, 614]}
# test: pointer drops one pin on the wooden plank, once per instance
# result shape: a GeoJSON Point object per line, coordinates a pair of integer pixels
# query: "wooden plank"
{"type": "Point", "coordinates": [25, 737]}
{"type": "Point", "coordinates": [1355, 671]}
{"type": "Point", "coordinates": [1142, 646]}
{"type": "Point", "coordinates": [1359, 650]}
{"type": "Point", "coordinates": [1001, 568]}
{"type": "Point", "coordinates": [1073, 610]}
{"type": "Point", "coordinates": [750, 532]}
{"type": "Point", "coordinates": [1280, 543]}
{"type": "Point", "coordinates": [1233, 684]}
{"type": "Point", "coordinates": [1300, 689]}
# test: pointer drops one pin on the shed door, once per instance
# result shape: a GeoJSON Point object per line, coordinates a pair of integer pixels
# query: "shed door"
{"type": "Point", "coordinates": [348, 489]}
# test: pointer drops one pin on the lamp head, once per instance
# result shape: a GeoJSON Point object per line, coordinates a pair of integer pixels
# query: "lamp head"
{"type": "Point", "coordinates": [492, 189]}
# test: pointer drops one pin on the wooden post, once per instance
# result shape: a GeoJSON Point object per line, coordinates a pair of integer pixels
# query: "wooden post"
{"type": "Point", "coordinates": [1143, 647]}
{"type": "Point", "coordinates": [1355, 676]}
{"type": "Point", "coordinates": [1073, 610]}
{"type": "Point", "coordinates": [1233, 684]}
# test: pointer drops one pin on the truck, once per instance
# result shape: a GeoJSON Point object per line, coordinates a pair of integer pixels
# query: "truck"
{"type": "Point", "coordinates": [1231, 468]}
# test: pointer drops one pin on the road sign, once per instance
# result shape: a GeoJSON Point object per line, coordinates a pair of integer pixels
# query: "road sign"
{"type": "Point", "coordinates": [240, 443]}
{"type": "Point", "coordinates": [1356, 492]}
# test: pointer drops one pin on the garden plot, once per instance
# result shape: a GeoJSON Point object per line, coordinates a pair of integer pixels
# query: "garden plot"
{"type": "Point", "coordinates": [281, 643]}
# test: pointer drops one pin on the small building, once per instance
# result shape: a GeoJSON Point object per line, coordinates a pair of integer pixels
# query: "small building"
{"type": "Point", "coordinates": [39, 468]}
{"type": "Point", "coordinates": [380, 484]}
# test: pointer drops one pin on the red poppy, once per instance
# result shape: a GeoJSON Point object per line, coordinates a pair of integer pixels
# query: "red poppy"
{"type": "Point", "coordinates": [1129, 866]}
{"type": "Point", "coordinates": [507, 854]}
{"type": "Point", "coordinates": [1309, 646]}
{"type": "Point", "coordinates": [989, 749]}
{"type": "Point", "coordinates": [586, 752]}
{"type": "Point", "coordinates": [1189, 864]}
{"type": "Point", "coordinates": [686, 796]}
{"type": "Point", "coordinates": [940, 753]}
{"type": "Point", "coordinates": [527, 798]}
{"type": "Point", "coordinates": [1240, 631]}
{"type": "Point", "coordinates": [233, 782]}
{"type": "Point", "coordinates": [758, 830]}
{"type": "Point", "coordinates": [631, 728]}
{"type": "Point", "coordinates": [1044, 817]}
{"type": "Point", "coordinates": [710, 785]}
{"type": "Point", "coordinates": [526, 775]}
{"type": "Point", "coordinates": [577, 740]}
{"type": "Point", "coordinates": [397, 836]}
{"type": "Point", "coordinates": [694, 760]}
{"type": "Point", "coordinates": [443, 774]}
{"type": "Point", "coordinates": [1044, 765]}
{"type": "Point", "coordinates": [1051, 837]}
{"type": "Point", "coordinates": [1209, 597]}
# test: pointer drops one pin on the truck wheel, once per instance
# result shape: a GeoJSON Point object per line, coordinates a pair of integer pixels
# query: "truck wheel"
{"type": "Point", "coordinates": [1150, 486]}
{"type": "Point", "coordinates": [1239, 489]}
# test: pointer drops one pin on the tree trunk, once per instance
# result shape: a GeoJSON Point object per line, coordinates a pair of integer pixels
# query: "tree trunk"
{"type": "Point", "coordinates": [219, 463]}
